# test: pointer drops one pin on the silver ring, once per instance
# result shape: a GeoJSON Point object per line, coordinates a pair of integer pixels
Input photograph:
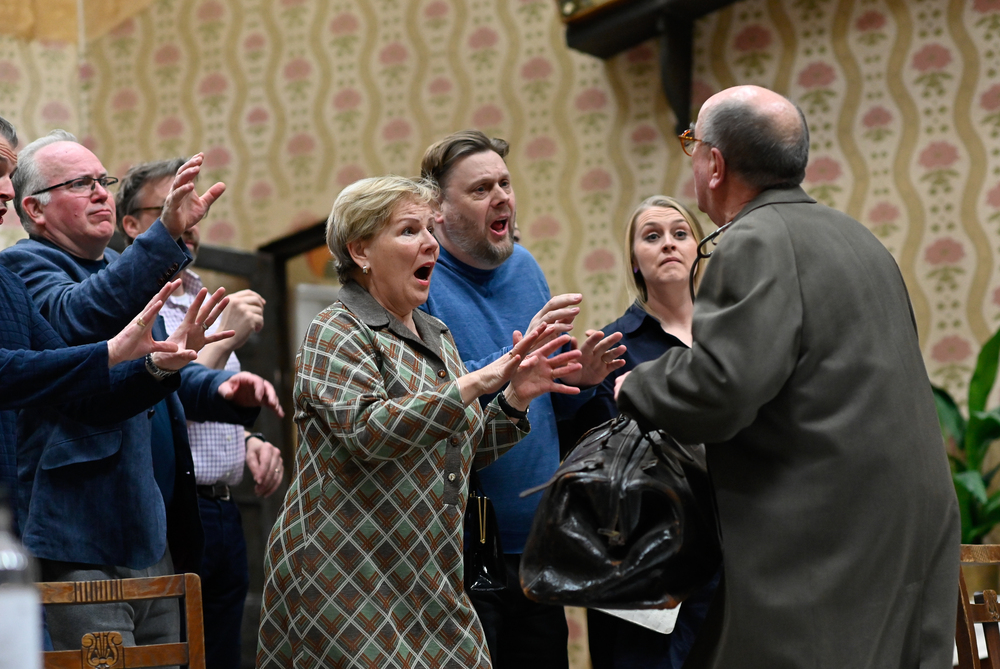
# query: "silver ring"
{"type": "Point", "coordinates": [205, 326]}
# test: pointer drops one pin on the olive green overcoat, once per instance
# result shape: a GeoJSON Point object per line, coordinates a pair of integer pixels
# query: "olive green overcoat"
{"type": "Point", "coordinates": [839, 520]}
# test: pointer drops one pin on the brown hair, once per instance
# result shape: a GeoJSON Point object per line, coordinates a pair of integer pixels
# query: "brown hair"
{"type": "Point", "coordinates": [440, 157]}
{"type": "Point", "coordinates": [127, 198]}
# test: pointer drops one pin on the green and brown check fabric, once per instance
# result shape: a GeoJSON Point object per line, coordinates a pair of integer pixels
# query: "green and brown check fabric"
{"type": "Point", "coordinates": [364, 565]}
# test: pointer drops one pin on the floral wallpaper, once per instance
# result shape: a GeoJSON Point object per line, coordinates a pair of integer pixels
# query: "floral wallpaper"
{"type": "Point", "coordinates": [292, 100]}
{"type": "Point", "coordinates": [38, 91]}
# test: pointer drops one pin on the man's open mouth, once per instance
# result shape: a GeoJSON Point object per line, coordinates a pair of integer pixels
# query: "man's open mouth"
{"type": "Point", "coordinates": [499, 226]}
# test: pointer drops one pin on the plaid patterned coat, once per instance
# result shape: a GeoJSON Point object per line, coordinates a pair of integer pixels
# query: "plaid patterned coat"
{"type": "Point", "coordinates": [364, 565]}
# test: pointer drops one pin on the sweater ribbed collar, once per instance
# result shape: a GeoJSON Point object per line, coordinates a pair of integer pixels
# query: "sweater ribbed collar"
{"type": "Point", "coordinates": [471, 273]}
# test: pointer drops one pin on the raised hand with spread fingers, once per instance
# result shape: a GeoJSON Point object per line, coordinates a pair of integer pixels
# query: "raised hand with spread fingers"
{"type": "Point", "coordinates": [136, 339]}
{"type": "Point", "coordinates": [190, 335]}
{"type": "Point", "coordinates": [183, 206]}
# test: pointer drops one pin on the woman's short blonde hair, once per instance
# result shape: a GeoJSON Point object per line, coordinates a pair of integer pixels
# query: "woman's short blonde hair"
{"type": "Point", "coordinates": [364, 208]}
{"type": "Point", "coordinates": [637, 283]}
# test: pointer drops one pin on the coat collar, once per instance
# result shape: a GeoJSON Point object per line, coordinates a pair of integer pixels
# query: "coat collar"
{"type": "Point", "coordinates": [374, 315]}
{"type": "Point", "coordinates": [775, 196]}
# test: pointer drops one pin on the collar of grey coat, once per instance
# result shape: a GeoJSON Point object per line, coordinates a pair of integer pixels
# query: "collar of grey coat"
{"type": "Point", "coordinates": [374, 315]}
{"type": "Point", "coordinates": [775, 196]}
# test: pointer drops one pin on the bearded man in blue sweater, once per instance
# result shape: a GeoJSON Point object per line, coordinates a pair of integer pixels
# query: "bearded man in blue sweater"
{"type": "Point", "coordinates": [484, 287]}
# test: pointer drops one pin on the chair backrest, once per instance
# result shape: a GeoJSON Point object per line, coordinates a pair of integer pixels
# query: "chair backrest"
{"type": "Point", "coordinates": [104, 650]}
{"type": "Point", "coordinates": [985, 610]}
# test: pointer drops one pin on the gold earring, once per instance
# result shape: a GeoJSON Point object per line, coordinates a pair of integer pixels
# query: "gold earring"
{"type": "Point", "coordinates": [365, 269]}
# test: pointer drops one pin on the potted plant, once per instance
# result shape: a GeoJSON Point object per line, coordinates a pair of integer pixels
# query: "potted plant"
{"type": "Point", "coordinates": [968, 441]}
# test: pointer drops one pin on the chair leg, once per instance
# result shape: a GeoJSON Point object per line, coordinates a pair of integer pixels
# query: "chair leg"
{"type": "Point", "coordinates": [991, 630]}
{"type": "Point", "coordinates": [965, 633]}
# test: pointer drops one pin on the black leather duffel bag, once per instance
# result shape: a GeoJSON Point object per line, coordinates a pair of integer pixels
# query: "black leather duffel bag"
{"type": "Point", "coordinates": [627, 521]}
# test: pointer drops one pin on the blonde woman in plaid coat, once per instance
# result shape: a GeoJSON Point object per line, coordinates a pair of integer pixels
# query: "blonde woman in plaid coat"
{"type": "Point", "coordinates": [364, 566]}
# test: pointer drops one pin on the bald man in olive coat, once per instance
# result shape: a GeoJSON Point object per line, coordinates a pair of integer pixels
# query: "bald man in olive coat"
{"type": "Point", "coordinates": [806, 382]}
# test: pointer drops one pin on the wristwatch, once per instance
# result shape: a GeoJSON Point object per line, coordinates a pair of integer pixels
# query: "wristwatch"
{"type": "Point", "coordinates": [156, 372]}
{"type": "Point", "coordinates": [253, 435]}
{"type": "Point", "coordinates": [508, 409]}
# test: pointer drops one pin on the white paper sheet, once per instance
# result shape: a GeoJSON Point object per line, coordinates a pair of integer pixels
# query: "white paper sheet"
{"type": "Point", "coordinates": [658, 620]}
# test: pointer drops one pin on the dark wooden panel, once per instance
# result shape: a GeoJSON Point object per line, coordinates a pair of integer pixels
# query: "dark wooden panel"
{"type": "Point", "coordinates": [159, 655]}
{"type": "Point", "coordinates": [84, 592]}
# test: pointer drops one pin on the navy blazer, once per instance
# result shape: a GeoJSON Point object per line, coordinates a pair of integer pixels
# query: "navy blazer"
{"type": "Point", "coordinates": [87, 494]}
{"type": "Point", "coordinates": [37, 368]}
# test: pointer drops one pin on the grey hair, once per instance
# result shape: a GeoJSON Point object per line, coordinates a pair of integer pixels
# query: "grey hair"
{"type": "Point", "coordinates": [7, 132]}
{"type": "Point", "coordinates": [133, 182]}
{"type": "Point", "coordinates": [364, 208]}
{"type": "Point", "coordinates": [27, 178]}
{"type": "Point", "coordinates": [755, 147]}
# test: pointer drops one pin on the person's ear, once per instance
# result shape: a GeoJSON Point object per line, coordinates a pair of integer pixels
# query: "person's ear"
{"type": "Point", "coordinates": [33, 209]}
{"type": "Point", "coordinates": [130, 224]}
{"type": "Point", "coordinates": [359, 252]}
{"type": "Point", "coordinates": [717, 169]}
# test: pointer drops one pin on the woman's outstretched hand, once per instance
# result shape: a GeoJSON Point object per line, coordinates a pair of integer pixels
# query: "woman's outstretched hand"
{"type": "Point", "coordinates": [601, 356]}
{"type": "Point", "coordinates": [538, 373]}
{"type": "Point", "coordinates": [493, 376]}
{"type": "Point", "coordinates": [528, 368]}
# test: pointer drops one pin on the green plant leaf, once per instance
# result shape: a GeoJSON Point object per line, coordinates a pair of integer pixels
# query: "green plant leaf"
{"type": "Point", "coordinates": [985, 373]}
{"type": "Point", "coordinates": [965, 503]}
{"type": "Point", "coordinates": [972, 482]}
{"type": "Point", "coordinates": [957, 464]}
{"type": "Point", "coordinates": [951, 419]}
{"type": "Point", "coordinates": [988, 476]}
{"type": "Point", "coordinates": [983, 428]}
{"type": "Point", "coordinates": [978, 532]}
{"type": "Point", "coordinates": [991, 510]}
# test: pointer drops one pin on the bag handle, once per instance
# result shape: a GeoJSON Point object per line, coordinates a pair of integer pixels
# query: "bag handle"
{"type": "Point", "coordinates": [475, 487]}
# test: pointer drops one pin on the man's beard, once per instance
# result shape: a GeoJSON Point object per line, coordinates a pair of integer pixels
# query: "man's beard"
{"type": "Point", "coordinates": [469, 237]}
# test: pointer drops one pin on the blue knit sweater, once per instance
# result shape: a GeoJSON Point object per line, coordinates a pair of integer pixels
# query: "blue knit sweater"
{"type": "Point", "coordinates": [482, 308]}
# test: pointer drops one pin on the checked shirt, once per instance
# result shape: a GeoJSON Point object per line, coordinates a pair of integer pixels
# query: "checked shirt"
{"type": "Point", "coordinates": [364, 565]}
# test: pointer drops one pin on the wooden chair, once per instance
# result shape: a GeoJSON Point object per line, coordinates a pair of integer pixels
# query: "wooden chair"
{"type": "Point", "coordinates": [104, 650]}
{"type": "Point", "coordinates": [985, 610]}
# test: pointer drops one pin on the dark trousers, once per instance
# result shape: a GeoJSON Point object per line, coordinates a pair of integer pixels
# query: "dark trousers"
{"type": "Point", "coordinates": [225, 579]}
{"type": "Point", "coordinates": [520, 633]}
{"type": "Point", "coordinates": [619, 644]}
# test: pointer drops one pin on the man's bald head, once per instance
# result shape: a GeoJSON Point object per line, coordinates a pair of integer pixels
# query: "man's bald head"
{"type": "Point", "coordinates": [762, 135]}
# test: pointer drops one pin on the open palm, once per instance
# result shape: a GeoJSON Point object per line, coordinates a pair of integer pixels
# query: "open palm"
{"type": "Point", "coordinates": [538, 373]}
{"type": "Point", "coordinates": [191, 334]}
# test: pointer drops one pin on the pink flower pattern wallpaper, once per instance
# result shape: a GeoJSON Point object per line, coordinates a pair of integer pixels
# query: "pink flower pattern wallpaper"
{"type": "Point", "coordinates": [292, 100]}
